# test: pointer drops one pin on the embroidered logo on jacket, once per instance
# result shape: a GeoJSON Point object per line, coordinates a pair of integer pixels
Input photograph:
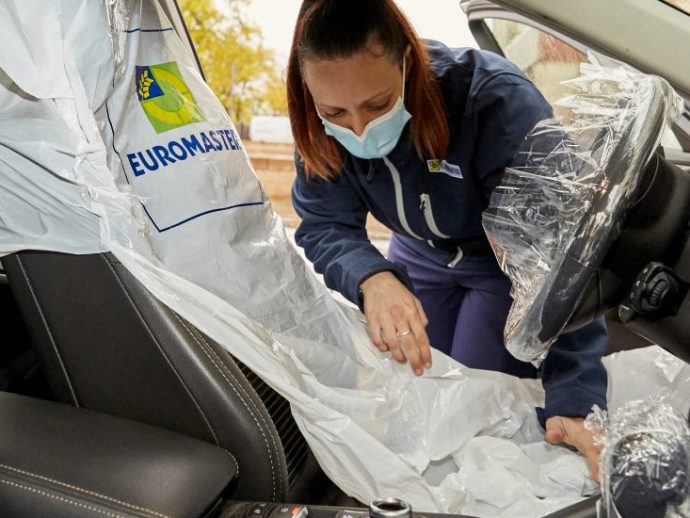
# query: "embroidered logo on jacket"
{"type": "Point", "coordinates": [441, 166]}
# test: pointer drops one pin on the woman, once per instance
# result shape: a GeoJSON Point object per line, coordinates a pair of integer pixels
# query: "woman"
{"type": "Point", "coordinates": [419, 135]}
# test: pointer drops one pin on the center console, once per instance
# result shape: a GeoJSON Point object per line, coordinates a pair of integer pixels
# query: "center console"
{"type": "Point", "coordinates": [381, 508]}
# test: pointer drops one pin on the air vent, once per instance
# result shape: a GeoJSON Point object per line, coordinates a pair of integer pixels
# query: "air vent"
{"type": "Point", "coordinates": [294, 444]}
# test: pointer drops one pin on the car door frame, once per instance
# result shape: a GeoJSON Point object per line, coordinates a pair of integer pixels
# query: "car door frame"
{"type": "Point", "coordinates": [478, 11]}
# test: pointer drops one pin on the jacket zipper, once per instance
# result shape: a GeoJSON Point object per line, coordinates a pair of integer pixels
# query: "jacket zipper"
{"type": "Point", "coordinates": [426, 209]}
{"type": "Point", "coordinates": [399, 198]}
{"type": "Point", "coordinates": [425, 206]}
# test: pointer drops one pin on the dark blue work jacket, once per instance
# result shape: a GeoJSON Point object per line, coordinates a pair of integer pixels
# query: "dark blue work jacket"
{"type": "Point", "coordinates": [436, 207]}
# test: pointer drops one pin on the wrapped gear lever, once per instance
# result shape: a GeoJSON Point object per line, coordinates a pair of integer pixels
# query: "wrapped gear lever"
{"type": "Point", "coordinates": [645, 461]}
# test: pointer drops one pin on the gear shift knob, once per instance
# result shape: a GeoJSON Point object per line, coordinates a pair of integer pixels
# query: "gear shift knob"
{"type": "Point", "coordinates": [389, 508]}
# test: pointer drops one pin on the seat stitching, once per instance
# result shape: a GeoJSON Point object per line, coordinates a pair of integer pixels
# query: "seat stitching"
{"type": "Point", "coordinates": [77, 488]}
{"type": "Point", "coordinates": [237, 466]}
{"type": "Point", "coordinates": [221, 365]}
{"type": "Point", "coordinates": [245, 400]}
{"type": "Point", "coordinates": [276, 450]}
{"type": "Point", "coordinates": [60, 498]}
{"type": "Point", "coordinates": [53, 343]}
{"type": "Point", "coordinates": [199, 339]}
{"type": "Point", "coordinates": [165, 356]}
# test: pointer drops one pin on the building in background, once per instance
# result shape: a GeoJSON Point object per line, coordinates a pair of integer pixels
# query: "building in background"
{"type": "Point", "coordinates": [270, 128]}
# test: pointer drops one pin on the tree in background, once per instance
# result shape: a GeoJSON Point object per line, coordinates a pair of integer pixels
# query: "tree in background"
{"type": "Point", "coordinates": [240, 70]}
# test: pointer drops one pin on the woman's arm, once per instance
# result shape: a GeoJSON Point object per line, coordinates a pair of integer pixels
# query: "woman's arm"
{"type": "Point", "coordinates": [575, 379]}
{"type": "Point", "coordinates": [334, 238]}
{"type": "Point", "coordinates": [573, 375]}
{"type": "Point", "coordinates": [333, 234]}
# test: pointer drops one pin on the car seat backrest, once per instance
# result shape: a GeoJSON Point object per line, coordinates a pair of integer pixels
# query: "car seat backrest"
{"type": "Point", "coordinates": [107, 344]}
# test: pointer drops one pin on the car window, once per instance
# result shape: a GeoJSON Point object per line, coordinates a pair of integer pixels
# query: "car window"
{"type": "Point", "coordinates": [547, 61]}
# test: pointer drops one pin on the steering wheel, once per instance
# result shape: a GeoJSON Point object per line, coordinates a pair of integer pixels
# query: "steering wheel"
{"type": "Point", "coordinates": [557, 219]}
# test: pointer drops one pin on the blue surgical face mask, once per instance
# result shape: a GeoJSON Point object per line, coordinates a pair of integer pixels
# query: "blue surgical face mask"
{"type": "Point", "coordinates": [379, 136]}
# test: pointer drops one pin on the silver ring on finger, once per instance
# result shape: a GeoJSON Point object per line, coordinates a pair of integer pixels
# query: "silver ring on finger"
{"type": "Point", "coordinates": [401, 334]}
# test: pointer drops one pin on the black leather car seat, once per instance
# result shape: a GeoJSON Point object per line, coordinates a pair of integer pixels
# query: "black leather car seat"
{"type": "Point", "coordinates": [107, 344]}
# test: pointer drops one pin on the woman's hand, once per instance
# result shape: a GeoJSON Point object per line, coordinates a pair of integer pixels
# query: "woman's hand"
{"type": "Point", "coordinates": [396, 320]}
{"type": "Point", "coordinates": [572, 431]}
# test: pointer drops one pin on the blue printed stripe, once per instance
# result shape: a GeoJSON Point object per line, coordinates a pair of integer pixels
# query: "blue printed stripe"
{"type": "Point", "coordinates": [220, 209]}
{"type": "Point", "coordinates": [138, 29]}
{"type": "Point", "coordinates": [112, 130]}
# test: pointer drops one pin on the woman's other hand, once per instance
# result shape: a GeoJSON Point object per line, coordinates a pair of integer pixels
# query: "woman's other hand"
{"type": "Point", "coordinates": [572, 431]}
{"type": "Point", "coordinates": [396, 320]}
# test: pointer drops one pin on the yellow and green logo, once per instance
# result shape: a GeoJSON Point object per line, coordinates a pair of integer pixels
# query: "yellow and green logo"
{"type": "Point", "coordinates": [165, 98]}
{"type": "Point", "coordinates": [434, 165]}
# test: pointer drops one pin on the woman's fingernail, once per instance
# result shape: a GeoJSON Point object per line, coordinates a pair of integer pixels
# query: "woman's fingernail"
{"type": "Point", "coordinates": [418, 372]}
{"type": "Point", "coordinates": [427, 365]}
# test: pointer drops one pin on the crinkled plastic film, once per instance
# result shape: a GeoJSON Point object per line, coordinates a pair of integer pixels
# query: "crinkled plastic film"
{"type": "Point", "coordinates": [561, 203]}
{"type": "Point", "coordinates": [85, 167]}
{"type": "Point", "coordinates": [645, 461]}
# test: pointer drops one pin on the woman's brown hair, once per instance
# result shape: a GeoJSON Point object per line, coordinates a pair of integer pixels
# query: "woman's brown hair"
{"type": "Point", "coordinates": [332, 29]}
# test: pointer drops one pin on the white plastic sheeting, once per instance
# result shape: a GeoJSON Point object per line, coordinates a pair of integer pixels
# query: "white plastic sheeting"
{"type": "Point", "coordinates": [110, 141]}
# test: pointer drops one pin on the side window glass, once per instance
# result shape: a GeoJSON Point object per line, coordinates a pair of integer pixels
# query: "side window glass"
{"type": "Point", "coordinates": [547, 61]}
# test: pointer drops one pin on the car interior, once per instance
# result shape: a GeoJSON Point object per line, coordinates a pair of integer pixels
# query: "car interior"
{"type": "Point", "coordinates": [110, 403]}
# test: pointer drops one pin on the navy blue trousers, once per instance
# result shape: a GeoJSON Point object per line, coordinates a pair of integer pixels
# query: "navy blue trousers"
{"type": "Point", "coordinates": [467, 307]}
